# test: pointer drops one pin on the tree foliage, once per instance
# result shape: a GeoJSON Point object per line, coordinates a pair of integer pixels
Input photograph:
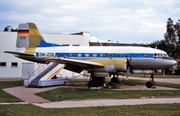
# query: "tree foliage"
{"type": "Point", "coordinates": [171, 42]}
{"type": "Point", "coordinates": [172, 35]}
{"type": "Point", "coordinates": [11, 29]}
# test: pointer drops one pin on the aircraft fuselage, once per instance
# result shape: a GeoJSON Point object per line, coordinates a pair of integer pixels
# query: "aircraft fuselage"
{"type": "Point", "coordinates": [113, 58]}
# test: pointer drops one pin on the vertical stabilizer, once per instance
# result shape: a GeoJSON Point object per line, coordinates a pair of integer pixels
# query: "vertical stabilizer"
{"type": "Point", "coordinates": [28, 36]}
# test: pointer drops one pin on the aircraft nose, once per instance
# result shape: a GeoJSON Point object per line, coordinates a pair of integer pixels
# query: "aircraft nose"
{"type": "Point", "coordinates": [173, 61]}
{"type": "Point", "coordinates": [169, 62]}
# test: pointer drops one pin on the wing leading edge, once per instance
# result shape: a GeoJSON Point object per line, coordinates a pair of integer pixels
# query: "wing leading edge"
{"type": "Point", "coordinates": [74, 62]}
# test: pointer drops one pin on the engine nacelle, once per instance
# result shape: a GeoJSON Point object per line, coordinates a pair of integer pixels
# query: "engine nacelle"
{"type": "Point", "coordinates": [111, 65]}
{"type": "Point", "coordinates": [100, 74]}
{"type": "Point", "coordinates": [110, 69]}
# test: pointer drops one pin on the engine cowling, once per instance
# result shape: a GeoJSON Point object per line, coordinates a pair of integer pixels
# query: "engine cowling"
{"type": "Point", "coordinates": [100, 74]}
{"type": "Point", "coordinates": [110, 66]}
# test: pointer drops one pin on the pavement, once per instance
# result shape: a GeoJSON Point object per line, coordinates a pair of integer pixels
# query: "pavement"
{"type": "Point", "coordinates": [167, 80]}
{"type": "Point", "coordinates": [28, 95]}
{"type": "Point", "coordinates": [108, 102]}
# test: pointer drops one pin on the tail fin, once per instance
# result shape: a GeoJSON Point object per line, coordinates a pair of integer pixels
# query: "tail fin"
{"type": "Point", "coordinates": [29, 36]}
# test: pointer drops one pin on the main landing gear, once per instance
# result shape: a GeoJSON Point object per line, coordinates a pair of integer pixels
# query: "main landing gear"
{"type": "Point", "coordinates": [96, 81]}
{"type": "Point", "coordinates": [151, 83]}
{"type": "Point", "coordinates": [100, 81]}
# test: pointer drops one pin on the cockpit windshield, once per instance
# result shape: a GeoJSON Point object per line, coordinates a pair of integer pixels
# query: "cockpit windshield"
{"type": "Point", "coordinates": [165, 55]}
{"type": "Point", "coordinates": [160, 55]}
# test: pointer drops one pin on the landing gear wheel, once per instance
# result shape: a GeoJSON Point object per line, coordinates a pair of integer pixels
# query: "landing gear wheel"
{"type": "Point", "coordinates": [149, 84]}
{"type": "Point", "coordinates": [92, 84]}
{"type": "Point", "coordinates": [114, 80]}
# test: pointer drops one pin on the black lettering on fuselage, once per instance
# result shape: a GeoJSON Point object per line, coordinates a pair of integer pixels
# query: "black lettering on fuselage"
{"type": "Point", "coordinates": [43, 54]}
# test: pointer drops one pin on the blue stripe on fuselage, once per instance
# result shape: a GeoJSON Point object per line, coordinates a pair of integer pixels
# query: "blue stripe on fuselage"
{"type": "Point", "coordinates": [43, 43]}
{"type": "Point", "coordinates": [104, 55]}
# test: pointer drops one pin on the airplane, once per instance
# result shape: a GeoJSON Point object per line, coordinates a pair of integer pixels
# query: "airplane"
{"type": "Point", "coordinates": [99, 61]}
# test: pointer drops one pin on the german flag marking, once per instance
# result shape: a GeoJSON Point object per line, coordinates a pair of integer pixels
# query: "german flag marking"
{"type": "Point", "coordinates": [23, 31]}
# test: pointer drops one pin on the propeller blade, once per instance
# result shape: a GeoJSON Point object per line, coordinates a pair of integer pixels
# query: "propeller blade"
{"type": "Point", "coordinates": [129, 66]}
{"type": "Point", "coordinates": [127, 73]}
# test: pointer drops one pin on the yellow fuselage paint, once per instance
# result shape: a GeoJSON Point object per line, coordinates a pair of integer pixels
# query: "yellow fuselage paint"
{"type": "Point", "coordinates": [111, 61]}
{"type": "Point", "coordinates": [30, 50]}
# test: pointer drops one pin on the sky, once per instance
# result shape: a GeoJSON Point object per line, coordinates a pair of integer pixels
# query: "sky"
{"type": "Point", "coordinates": [123, 21]}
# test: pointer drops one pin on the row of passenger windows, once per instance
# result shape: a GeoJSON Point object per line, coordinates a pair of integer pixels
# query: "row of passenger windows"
{"type": "Point", "coordinates": [104, 55]}
{"type": "Point", "coordinates": [69, 45]}
{"type": "Point", "coordinates": [4, 64]}
{"type": "Point", "coordinates": [156, 55]}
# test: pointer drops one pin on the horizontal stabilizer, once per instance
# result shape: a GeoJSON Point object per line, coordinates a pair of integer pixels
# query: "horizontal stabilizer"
{"type": "Point", "coordinates": [81, 63]}
{"type": "Point", "coordinates": [18, 53]}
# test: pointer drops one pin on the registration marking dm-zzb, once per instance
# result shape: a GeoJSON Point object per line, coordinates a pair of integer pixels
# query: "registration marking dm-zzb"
{"type": "Point", "coordinates": [43, 54]}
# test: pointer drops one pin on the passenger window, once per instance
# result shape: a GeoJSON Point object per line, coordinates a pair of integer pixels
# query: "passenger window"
{"type": "Point", "coordinates": [79, 55]}
{"type": "Point", "coordinates": [87, 55]}
{"type": "Point", "coordinates": [110, 55]}
{"type": "Point", "coordinates": [126, 55]}
{"type": "Point", "coordinates": [71, 55]}
{"type": "Point", "coordinates": [94, 55]}
{"type": "Point", "coordinates": [102, 55]}
{"type": "Point", "coordinates": [146, 55]}
{"type": "Point", "coordinates": [159, 55]}
{"type": "Point", "coordinates": [117, 55]}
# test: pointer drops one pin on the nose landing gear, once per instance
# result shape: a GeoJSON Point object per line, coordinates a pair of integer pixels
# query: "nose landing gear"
{"type": "Point", "coordinates": [151, 83]}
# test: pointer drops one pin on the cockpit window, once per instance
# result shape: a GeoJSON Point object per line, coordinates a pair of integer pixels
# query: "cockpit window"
{"type": "Point", "coordinates": [158, 55]}
{"type": "Point", "coordinates": [165, 55]}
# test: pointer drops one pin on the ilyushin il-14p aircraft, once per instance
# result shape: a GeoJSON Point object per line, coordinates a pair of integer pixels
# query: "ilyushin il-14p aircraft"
{"type": "Point", "coordinates": [99, 61]}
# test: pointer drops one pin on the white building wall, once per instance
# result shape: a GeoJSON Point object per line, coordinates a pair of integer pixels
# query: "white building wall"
{"type": "Point", "coordinates": [8, 42]}
{"type": "Point", "coordinates": [81, 40]}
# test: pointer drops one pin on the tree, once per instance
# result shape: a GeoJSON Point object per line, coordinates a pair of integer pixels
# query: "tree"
{"type": "Point", "coordinates": [172, 35]}
{"type": "Point", "coordinates": [171, 42]}
{"type": "Point", "coordinates": [5, 29]}
{"type": "Point", "coordinates": [12, 30]}
{"type": "Point", "coordinates": [177, 31]}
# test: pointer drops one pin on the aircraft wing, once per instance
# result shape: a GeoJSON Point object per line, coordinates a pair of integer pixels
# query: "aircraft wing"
{"type": "Point", "coordinates": [74, 62]}
{"type": "Point", "coordinates": [18, 53]}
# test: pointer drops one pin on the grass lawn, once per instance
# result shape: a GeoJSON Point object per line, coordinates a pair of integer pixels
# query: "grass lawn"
{"type": "Point", "coordinates": [80, 94]}
{"type": "Point", "coordinates": [5, 97]}
{"type": "Point", "coordinates": [138, 110]}
{"type": "Point", "coordinates": [85, 93]}
{"type": "Point", "coordinates": [74, 93]}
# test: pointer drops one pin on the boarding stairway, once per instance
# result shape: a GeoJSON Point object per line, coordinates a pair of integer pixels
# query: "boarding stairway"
{"type": "Point", "coordinates": [45, 75]}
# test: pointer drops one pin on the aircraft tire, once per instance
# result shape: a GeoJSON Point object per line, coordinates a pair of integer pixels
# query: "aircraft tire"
{"type": "Point", "coordinates": [149, 84]}
{"type": "Point", "coordinates": [114, 80]}
{"type": "Point", "coordinates": [92, 84]}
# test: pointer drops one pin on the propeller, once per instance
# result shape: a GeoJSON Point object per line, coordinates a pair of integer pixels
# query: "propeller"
{"type": "Point", "coordinates": [128, 66]}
